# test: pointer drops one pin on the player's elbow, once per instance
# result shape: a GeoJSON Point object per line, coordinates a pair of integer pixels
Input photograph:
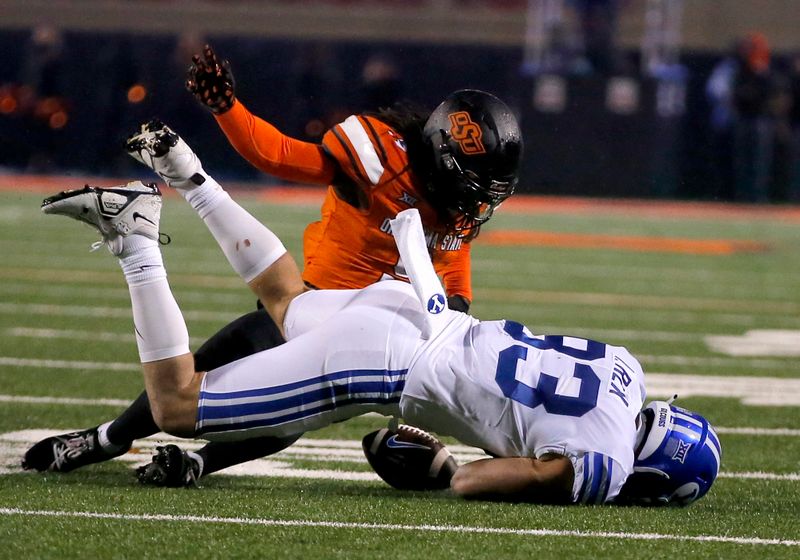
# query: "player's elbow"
{"type": "Point", "coordinates": [515, 479]}
{"type": "Point", "coordinates": [465, 484]}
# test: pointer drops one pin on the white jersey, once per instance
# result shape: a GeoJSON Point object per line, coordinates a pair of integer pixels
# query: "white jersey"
{"type": "Point", "coordinates": [489, 384]}
{"type": "Point", "coordinates": [495, 386]}
{"type": "Point", "coordinates": [396, 348]}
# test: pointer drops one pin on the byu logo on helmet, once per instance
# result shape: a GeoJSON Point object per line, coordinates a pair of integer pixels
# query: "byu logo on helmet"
{"type": "Point", "coordinates": [436, 304]}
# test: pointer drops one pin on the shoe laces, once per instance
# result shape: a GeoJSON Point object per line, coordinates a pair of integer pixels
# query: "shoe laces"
{"type": "Point", "coordinates": [65, 450]}
{"type": "Point", "coordinates": [154, 137]}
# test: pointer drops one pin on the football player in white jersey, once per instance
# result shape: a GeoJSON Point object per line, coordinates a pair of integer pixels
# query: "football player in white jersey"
{"type": "Point", "coordinates": [561, 416]}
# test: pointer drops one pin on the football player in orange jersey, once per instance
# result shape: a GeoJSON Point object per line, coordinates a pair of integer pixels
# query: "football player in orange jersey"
{"type": "Point", "coordinates": [455, 165]}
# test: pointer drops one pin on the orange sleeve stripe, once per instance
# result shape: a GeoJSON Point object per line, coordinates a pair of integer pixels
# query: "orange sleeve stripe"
{"type": "Point", "coordinates": [376, 141]}
{"type": "Point", "coordinates": [344, 146]}
{"type": "Point", "coordinates": [271, 151]}
{"type": "Point", "coordinates": [358, 144]}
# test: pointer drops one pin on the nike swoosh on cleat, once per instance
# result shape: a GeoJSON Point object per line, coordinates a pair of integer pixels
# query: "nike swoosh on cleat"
{"type": "Point", "coordinates": [137, 215]}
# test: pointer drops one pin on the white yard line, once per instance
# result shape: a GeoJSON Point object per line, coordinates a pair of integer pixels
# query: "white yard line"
{"type": "Point", "coordinates": [759, 475]}
{"type": "Point", "coordinates": [65, 291]}
{"type": "Point", "coordinates": [736, 310]}
{"type": "Point", "coordinates": [284, 464]}
{"type": "Point", "coordinates": [755, 391]}
{"type": "Point", "coordinates": [715, 361]}
{"type": "Point", "coordinates": [598, 334]}
{"type": "Point", "coordinates": [68, 364]}
{"type": "Point", "coordinates": [639, 301]}
{"type": "Point", "coordinates": [792, 432]}
{"type": "Point", "coordinates": [750, 390]}
{"type": "Point", "coordinates": [74, 334]}
{"type": "Point", "coordinates": [457, 529]}
{"type": "Point", "coordinates": [696, 273]}
{"type": "Point", "coordinates": [64, 401]}
{"type": "Point", "coordinates": [753, 362]}
{"type": "Point", "coordinates": [103, 312]}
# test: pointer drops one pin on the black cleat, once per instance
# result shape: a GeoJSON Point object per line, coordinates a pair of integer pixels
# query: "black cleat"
{"type": "Point", "coordinates": [171, 467]}
{"type": "Point", "coordinates": [67, 452]}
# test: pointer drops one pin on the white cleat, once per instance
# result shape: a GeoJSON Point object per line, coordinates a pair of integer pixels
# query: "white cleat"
{"type": "Point", "coordinates": [116, 212]}
{"type": "Point", "coordinates": [158, 147]}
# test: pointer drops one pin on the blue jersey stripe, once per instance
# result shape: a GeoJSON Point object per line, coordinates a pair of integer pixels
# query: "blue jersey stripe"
{"type": "Point", "coordinates": [331, 393]}
{"type": "Point", "coordinates": [601, 496]}
{"type": "Point", "coordinates": [276, 421]}
{"type": "Point", "coordinates": [587, 477]}
{"type": "Point", "coordinates": [598, 472]}
{"type": "Point", "coordinates": [304, 383]}
{"type": "Point", "coordinates": [597, 476]}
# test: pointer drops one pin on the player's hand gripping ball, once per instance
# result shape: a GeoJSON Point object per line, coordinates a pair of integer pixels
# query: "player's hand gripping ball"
{"type": "Point", "coordinates": [409, 458]}
{"type": "Point", "coordinates": [211, 82]}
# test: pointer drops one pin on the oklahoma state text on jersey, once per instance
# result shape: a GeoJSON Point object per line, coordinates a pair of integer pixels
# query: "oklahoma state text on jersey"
{"type": "Point", "coordinates": [351, 247]}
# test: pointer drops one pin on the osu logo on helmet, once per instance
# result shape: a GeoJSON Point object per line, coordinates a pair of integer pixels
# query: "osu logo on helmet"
{"type": "Point", "coordinates": [466, 133]}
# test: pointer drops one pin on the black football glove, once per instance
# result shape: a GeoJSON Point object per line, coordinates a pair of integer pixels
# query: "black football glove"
{"type": "Point", "coordinates": [458, 303]}
{"type": "Point", "coordinates": [211, 82]}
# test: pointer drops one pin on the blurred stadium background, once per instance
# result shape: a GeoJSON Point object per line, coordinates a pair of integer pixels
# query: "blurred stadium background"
{"type": "Point", "coordinates": [648, 99]}
{"type": "Point", "coordinates": [627, 98]}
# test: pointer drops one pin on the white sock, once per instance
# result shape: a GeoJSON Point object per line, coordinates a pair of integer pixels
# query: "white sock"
{"type": "Point", "coordinates": [249, 246]}
{"type": "Point", "coordinates": [160, 329]}
{"type": "Point", "coordinates": [102, 438]}
{"type": "Point", "coordinates": [200, 462]}
{"type": "Point", "coordinates": [203, 197]}
{"type": "Point", "coordinates": [141, 260]}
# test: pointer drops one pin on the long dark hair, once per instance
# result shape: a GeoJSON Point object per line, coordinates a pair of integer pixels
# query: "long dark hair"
{"type": "Point", "coordinates": [408, 119]}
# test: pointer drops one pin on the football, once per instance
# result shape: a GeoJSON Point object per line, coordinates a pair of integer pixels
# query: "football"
{"type": "Point", "coordinates": [409, 458]}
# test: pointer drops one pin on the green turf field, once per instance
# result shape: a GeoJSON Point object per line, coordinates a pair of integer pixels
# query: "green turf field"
{"type": "Point", "coordinates": [69, 361]}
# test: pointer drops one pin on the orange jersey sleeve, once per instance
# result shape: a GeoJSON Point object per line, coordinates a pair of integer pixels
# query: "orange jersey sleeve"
{"type": "Point", "coordinates": [351, 247]}
{"type": "Point", "coordinates": [271, 151]}
{"type": "Point", "coordinates": [455, 268]}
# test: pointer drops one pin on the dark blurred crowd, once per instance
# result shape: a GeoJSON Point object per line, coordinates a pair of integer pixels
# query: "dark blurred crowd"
{"type": "Point", "coordinates": [755, 122]}
{"type": "Point", "coordinates": [67, 100]}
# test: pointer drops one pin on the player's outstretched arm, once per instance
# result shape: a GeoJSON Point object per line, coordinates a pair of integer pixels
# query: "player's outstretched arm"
{"type": "Point", "coordinates": [518, 479]}
{"type": "Point", "coordinates": [211, 83]}
{"type": "Point", "coordinates": [271, 151]}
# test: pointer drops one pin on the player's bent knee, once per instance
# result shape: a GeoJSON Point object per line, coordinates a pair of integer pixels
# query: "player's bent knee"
{"type": "Point", "coordinates": [173, 388]}
{"type": "Point", "coordinates": [174, 416]}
